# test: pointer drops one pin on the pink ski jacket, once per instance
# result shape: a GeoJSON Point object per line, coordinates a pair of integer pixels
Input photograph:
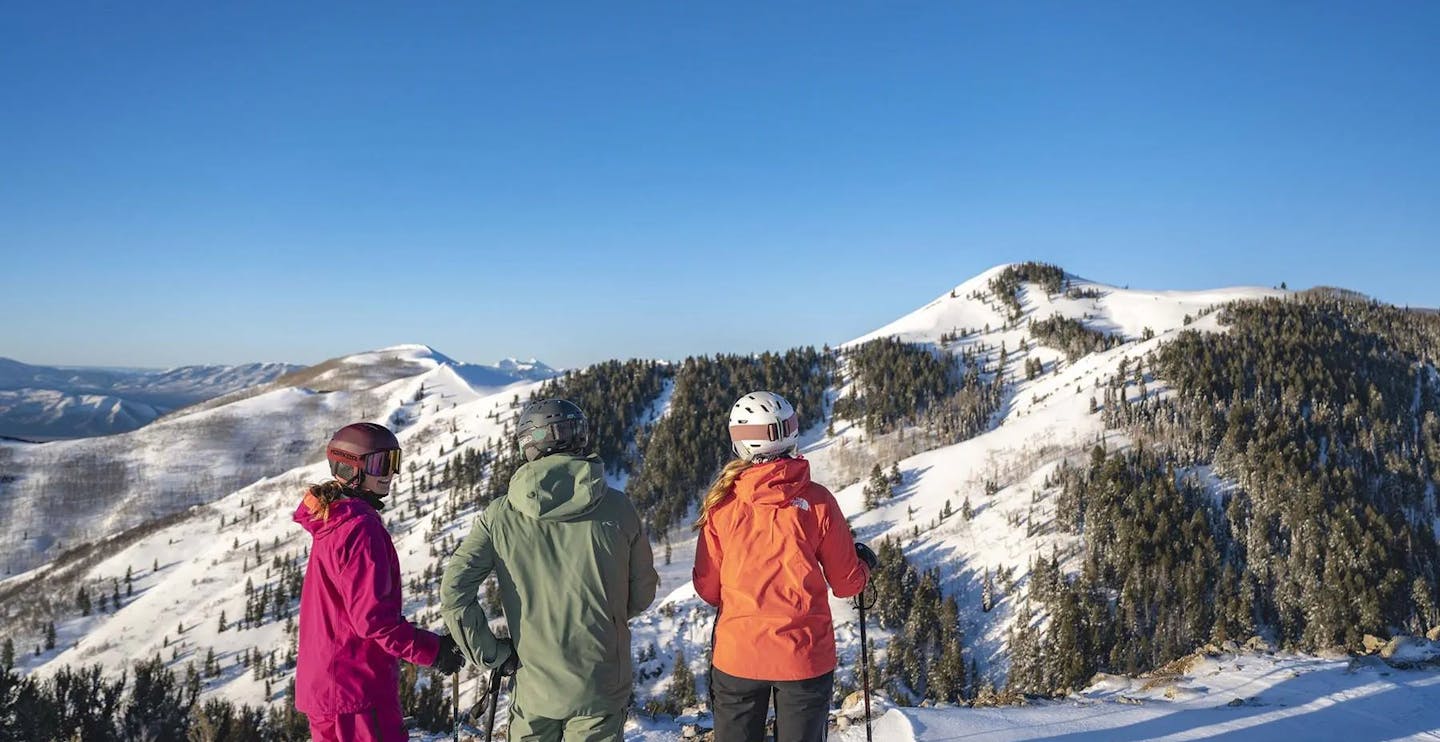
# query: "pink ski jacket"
{"type": "Point", "coordinates": [352, 631]}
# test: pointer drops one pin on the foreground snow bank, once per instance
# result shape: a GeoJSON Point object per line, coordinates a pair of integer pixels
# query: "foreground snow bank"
{"type": "Point", "coordinates": [1232, 697]}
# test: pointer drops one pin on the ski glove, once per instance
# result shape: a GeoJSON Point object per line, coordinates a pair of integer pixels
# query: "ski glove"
{"type": "Point", "coordinates": [448, 660]}
{"type": "Point", "coordinates": [867, 556]}
{"type": "Point", "coordinates": [512, 662]}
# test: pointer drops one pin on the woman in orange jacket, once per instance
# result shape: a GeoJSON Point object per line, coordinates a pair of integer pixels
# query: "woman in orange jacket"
{"type": "Point", "coordinates": [770, 541]}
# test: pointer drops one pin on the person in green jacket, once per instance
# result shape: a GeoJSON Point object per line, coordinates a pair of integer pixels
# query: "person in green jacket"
{"type": "Point", "coordinates": [574, 565]}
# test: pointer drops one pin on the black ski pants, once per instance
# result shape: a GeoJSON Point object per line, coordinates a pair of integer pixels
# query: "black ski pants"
{"type": "Point", "coordinates": [802, 708]}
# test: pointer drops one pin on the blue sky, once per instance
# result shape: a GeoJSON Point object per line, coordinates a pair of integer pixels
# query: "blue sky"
{"type": "Point", "coordinates": [575, 181]}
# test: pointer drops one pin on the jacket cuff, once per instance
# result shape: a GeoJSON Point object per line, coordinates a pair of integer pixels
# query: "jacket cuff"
{"type": "Point", "coordinates": [427, 648]}
{"type": "Point", "coordinates": [503, 651]}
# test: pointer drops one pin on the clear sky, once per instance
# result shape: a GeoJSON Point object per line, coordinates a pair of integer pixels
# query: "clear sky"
{"type": "Point", "coordinates": [224, 182]}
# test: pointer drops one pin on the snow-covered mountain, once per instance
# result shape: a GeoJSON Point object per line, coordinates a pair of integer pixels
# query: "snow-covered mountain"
{"type": "Point", "coordinates": [63, 492]}
{"type": "Point", "coordinates": [50, 403]}
{"type": "Point", "coordinates": [230, 472]}
{"type": "Point", "coordinates": [1045, 421]}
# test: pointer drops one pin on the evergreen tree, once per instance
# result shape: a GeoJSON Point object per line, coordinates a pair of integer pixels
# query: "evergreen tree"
{"type": "Point", "coordinates": [877, 488]}
{"type": "Point", "coordinates": [157, 707]}
{"type": "Point", "coordinates": [681, 693]}
{"type": "Point", "coordinates": [946, 682]}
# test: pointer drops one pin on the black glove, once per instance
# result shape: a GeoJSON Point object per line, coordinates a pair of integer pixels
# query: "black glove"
{"type": "Point", "coordinates": [867, 556]}
{"type": "Point", "coordinates": [512, 662]}
{"type": "Point", "coordinates": [448, 660]}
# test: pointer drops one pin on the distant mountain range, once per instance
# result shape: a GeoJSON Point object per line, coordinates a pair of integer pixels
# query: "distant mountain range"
{"type": "Point", "coordinates": [50, 402]}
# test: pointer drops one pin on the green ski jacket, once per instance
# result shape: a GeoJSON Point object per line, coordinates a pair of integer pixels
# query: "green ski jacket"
{"type": "Point", "coordinates": [574, 565]}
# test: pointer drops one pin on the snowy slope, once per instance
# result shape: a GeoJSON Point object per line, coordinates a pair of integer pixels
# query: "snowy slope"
{"type": "Point", "coordinates": [1044, 422]}
{"type": "Point", "coordinates": [58, 493]}
{"type": "Point", "coordinates": [202, 574]}
{"type": "Point", "coordinates": [48, 403]}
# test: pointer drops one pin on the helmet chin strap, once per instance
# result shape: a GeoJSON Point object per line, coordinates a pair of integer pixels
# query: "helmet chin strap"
{"type": "Point", "coordinates": [353, 489]}
{"type": "Point", "coordinates": [788, 453]}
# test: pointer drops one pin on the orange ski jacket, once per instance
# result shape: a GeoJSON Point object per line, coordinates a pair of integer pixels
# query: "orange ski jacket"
{"type": "Point", "coordinates": [763, 558]}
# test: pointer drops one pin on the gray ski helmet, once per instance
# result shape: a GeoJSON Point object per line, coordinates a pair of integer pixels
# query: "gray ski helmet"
{"type": "Point", "coordinates": [552, 426]}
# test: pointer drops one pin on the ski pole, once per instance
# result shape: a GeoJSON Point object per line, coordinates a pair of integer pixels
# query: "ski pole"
{"type": "Point", "coordinates": [455, 703]}
{"type": "Point", "coordinates": [864, 663]}
{"type": "Point", "coordinates": [494, 701]}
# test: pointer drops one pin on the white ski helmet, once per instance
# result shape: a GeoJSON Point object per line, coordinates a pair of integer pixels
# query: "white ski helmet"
{"type": "Point", "coordinates": [763, 426]}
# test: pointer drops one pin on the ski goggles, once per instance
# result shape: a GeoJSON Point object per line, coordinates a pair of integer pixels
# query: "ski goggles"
{"type": "Point", "coordinates": [381, 463]}
{"type": "Point", "coordinates": [559, 431]}
{"type": "Point", "coordinates": [770, 432]}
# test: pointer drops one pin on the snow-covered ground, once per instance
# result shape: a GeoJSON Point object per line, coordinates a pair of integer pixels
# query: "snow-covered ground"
{"type": "Point", "coordinates": [1233, 697]}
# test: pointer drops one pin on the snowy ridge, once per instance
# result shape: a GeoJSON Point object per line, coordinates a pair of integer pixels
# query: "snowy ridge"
{"type": "Point", "coordinates": [1112, 310]}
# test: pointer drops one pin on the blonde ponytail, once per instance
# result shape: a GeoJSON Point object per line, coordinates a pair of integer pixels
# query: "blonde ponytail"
{"type": "Point", "coordinates": [720, 489]}
{"type": "Point", "coordinates": [320, 497]}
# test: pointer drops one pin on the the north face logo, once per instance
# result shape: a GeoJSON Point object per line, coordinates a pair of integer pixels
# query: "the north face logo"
{"type": "Point", "coordinates": [801, 503]}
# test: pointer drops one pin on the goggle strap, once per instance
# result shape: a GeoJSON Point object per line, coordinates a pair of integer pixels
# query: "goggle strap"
{"type": "Point", "coordinates": [770, 431]}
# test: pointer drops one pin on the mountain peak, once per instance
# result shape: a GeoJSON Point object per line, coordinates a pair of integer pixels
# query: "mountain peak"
{"type": "Point", "coordinates": [1006, 296]}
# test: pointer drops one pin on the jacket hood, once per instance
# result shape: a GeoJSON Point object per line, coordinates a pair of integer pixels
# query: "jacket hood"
{"type": "Point", "coordinates": [557, 487]}
{"type": "Point", "coordinates": [341, 511]}
{"type": "Point", "coordinates": [774, 483]}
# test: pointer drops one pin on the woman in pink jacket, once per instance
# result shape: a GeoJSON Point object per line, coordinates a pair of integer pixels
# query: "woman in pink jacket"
{"type": "Point", "coordinates": [353, 633]}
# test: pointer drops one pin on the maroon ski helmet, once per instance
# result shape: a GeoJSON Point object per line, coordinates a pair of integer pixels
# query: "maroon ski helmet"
{"type": "Point", "coordinates": [363, 448]}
